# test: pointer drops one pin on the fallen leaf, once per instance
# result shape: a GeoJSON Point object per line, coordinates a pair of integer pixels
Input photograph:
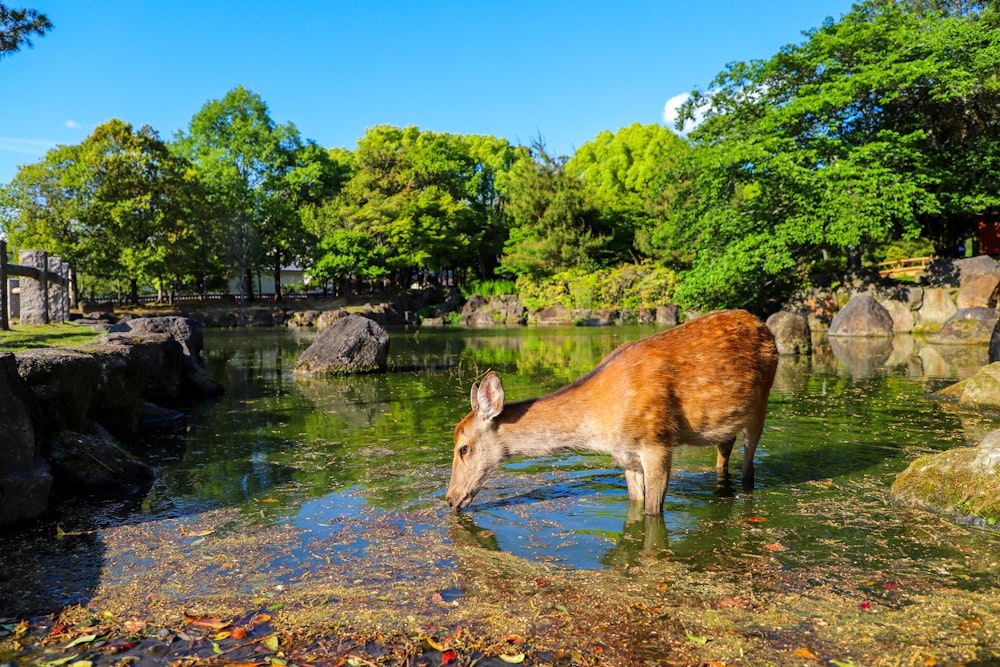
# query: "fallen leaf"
{"type": "Point", "coordinates": [434, 644]}
{"type": "Point", "coordinates": [259, 619]}
{"type": "Point", "coordinates": [212, 623]}
{"type": "Point", "coordinates": [222, 635]}
{"type": "Point", "coordinates": [865, 605]}
{"type": "Point", "coordinates": [448, 657]}
{"type": "Point", "coordinates": [776, 546]}
{"type": "Point", "coordinates": [805, 653]}
{"type": "Point", "coordinates": [562, 608]}
{"type": "Point", "coordinates": [216, 649]}
{"type": "Point", "coordinates": [752, 519]}
{"type": "Point", "coordinates": [238, 632]}
{"type": "Point", "coordinates": [513, 659]}
{"type": "Point", "coordinates": [271, 642]}
{"type": "Point", "coordinates": [695, 638]}
{"type": "Point", "coordinates": [270, 500]}
{"type": "Point", "coordinates": [82, 639]}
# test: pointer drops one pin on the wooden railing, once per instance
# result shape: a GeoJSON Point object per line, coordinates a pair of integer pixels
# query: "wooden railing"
{"type": "Point", "coordinates": [912, 266]}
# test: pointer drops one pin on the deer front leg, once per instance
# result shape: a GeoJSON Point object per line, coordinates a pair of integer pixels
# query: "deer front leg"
{"type": "Point", "coordinates": [656, 471]}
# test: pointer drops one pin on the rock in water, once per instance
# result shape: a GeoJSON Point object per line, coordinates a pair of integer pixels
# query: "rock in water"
{"type": "Point", "coordinates": [350, 345]}
{"type": "Point", "coordinates": [791, 332]}
{"type": "Point", "coordinates": [862, 316]}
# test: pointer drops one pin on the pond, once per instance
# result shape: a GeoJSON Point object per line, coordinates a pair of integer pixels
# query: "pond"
{"type": "Point", "coordinates": [326, 496]}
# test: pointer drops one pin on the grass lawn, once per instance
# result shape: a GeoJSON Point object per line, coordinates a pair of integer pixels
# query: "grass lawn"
{"type": "Point", "coordinates": [23, 337]}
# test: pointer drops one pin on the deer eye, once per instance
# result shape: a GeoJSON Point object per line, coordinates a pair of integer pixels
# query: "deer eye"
{"type": "Point", "coordinates": [463, 450]}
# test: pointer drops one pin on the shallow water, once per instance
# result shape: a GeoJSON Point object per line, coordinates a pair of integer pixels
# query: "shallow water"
{"type": "Point", "coordinates": [334, 462]}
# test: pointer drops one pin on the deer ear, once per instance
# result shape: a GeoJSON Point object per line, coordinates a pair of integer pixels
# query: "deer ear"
{"type": "Point", "coordinates": [488, 400]}
{"type": "Point", "coordinates": [472, 397]}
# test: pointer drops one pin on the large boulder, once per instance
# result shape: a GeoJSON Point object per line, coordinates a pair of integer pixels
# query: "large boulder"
{"type": "Point", "coordinates": [982, 290]}
{"type": "Point", "coordinates": [63, 381]}
{"type": "Point", "coordinates": [791, 332]}
{"type": "Point", "coordinates": [195, 381]}
{"type": "Point", "coordinates": [353, 344]}
{"type": "Point", "coordinates": [94, 463]}
{"type": "Point", "coordinates": [982, 390]}
{"type": "Point", "coordinates": [935, 309]}
{"type": "Point", "coordinates": [554, 315]}
{"type": "Point", "coordinates": [25, 479]}
{"type": "Point", "coordinates": [968, 326]}
{"type": "Point", "coordinates": [160, 357]}
{"type": "Point", "coordinates": [963, 482]}
{"type": "Point", "coordinates": [504, 310]}
{"type": "Point", "coordinates": [862, 316]}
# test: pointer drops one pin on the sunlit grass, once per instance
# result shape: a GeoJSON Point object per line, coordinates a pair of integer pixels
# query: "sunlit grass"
{"type": "Point", "coordinates": [24, 337]}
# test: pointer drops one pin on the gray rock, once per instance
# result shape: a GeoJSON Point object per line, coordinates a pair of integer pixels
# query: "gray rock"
{"type": "Point", "coordinates": [982, 290]}
{"type": "Point", "coordinates": [791, 332]}
{"type": "Point", "coordinates": [63, 381]}
{"type": "Point", "coordinates": [666, 315]}
{"type": "Point", "coordinates": [862, 316]}
{"type": "Point", "coordinates": [160, 357]}
{"type": "Point", "coordinates": [963, 482]}
{"type": "Point", "coordinates": [25, 479]}
{"type": "Point", "coordinates": [983, 388]}
{"type": "Point", "coordinates": [353, 344]}
{"type": "Point", "coordinates": [557, 314]}
{"type": "Point", "coordinates": [968, 326]}
{"type": "Point", "coordinates": [328, 317]}
{"type": "Point", "coordinates": [937, 306]}
{"type": "Point", "coordinates": [94, 463]}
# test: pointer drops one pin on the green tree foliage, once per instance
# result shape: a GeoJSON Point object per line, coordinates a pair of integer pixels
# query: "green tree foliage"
{"type": "Point", "coordinates": [17, 27]}
{"type": "Point", "coordinates": [111, 206]}
{"type": "Point", "coordinates": [244, 160]}
{"type": "Point", "coordinates": [555, 226]}
{"type": "Point", "coordinates": [416, 202]}
{"type": "Point", "coordinates": [625, 174]}
{"type": "Point", "coordinates": [882, 125]}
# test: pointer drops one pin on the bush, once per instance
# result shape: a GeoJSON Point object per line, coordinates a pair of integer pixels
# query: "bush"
{"type": "Point", "coordinates": [628, 286]}
{"type": "Point", "coordinates": [497, 287]}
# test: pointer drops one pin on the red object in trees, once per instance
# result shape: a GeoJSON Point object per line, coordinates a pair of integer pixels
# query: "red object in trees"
{"type": "Point", "coordinates": [989, 237]}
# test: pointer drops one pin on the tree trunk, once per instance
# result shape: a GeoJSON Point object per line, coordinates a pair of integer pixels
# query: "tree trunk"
{"type": "Point", "coordinates": [133, 291]}
{"type": "Point", "coordinates": [277, 278]}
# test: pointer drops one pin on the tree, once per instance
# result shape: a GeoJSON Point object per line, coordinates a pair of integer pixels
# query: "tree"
{"type": "Point", "coordinates": [242, 159]}
{"type": "Point", "coordinates": [879, 126]}
{"type": "Point", "coordinates": [417, 202]}
{"type": "Point", "coordinates": [138, 192]}
{"type": "Point", "coordinates": [625, 174]}
{"type": "Point", "coordinates": [113, 206]}
{"type": "Point", "coordinates": [18, 25]}
{"type": "Point", "coordinates": [554, 225]}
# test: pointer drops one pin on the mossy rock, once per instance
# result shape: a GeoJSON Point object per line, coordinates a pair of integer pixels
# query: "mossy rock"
{"type": "Point", "coordinates": [963, 483]}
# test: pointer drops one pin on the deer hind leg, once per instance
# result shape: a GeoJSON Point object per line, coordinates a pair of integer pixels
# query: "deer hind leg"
{"type": "Point", "coordinates": [633, 476]}
{"type": "Point", "coordinates": [656, 470]}
{"type": "Point", "coordinates": [751, 437]}
{"type": "Point", "coordinates": [722, 458]}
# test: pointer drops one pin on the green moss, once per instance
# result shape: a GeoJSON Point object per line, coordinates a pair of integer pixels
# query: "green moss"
{"type": "Point", "coordinates": [949, 483]}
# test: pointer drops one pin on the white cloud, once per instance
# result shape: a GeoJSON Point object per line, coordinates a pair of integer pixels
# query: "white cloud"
{"type": "Point", "coordinates": [73, 125]}
{"type": "Point", "coordinates": [671, 109]}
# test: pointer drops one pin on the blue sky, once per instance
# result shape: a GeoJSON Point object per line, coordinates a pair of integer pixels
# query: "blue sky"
{"type": "Point", "coordinates": [564, 71]}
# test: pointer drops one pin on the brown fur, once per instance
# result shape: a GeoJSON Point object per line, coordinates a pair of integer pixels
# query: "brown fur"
{"type": "Point", "coordinates": [701, 383]}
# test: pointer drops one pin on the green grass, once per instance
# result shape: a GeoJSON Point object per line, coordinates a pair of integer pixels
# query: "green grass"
{"type": "Point", "coordinates": [498, 287]}
{"type": "Point", "coordinates": [24, 337]}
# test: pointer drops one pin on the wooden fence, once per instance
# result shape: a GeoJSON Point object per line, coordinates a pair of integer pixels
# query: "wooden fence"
{"type": "Point", "coordinates": [912, 266]}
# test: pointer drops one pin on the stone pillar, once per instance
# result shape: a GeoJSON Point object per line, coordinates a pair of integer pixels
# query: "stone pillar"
{"type": "Point", "coordinates": [34, 295]}
{"type": "Point", "coordinates": [58, 291]}
{"type": "Point", "coordinates": [25, 479]}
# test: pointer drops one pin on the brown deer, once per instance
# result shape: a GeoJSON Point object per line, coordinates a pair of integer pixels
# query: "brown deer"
{"type": "Point", "coordinates": [701, 383]}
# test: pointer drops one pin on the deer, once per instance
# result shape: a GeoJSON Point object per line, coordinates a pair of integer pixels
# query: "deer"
{"type": "Point", "coordinates": [701, 383]}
